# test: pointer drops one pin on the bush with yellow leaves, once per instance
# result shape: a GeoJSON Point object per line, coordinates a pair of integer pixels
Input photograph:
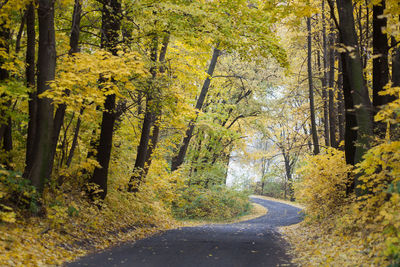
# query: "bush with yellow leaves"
{"type": "Point", "coordinates": [322, 184]}
{"type": "Point", "coordinates": [379, 207]}
{"type": "Point", "coordinates": [363, 231]}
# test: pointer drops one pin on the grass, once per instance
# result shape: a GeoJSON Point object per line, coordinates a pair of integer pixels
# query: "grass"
{"type": "Point", "coordinates": [256, 211]}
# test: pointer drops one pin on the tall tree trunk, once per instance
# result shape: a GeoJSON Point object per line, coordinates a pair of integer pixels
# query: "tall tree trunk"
{"type": "Point", "coordinates": [314, 132]}
{"type": "Point", "coordinates": [74, 48]}
{"type": "Point", "coordinates": [141, 151]}
{"type": "Point", "coordinates": [19, 34]}
{"type": "Point", "coordinates": [332, 109]}
{"type": "Point", "coordinates": [75, 28]}
{"type": "Point", "coordinates": [139, 169]}
{"type": "Point", "coordinates": [394, 131]}
{"type": "Point", "coordinates": [42, 150]}
{"type": "Point", "coordinates": [30, 81]}
{"type": "Point", "coordinates": [366, 53]}
{"type": "Point", "coordinates": [380, 68]}
{"type": "Point", "coordinates": [111, 24]}
{"type": "Point", "coordinates": [5, 101]}
{"type": "Point", "coordinates": [350, 133]}
{"type": "Point", "coordinates": [341, 105]}
{"type": "Point", "coordinates": [325, 78]}
{"type": "Point", "coordinates": [288, 169]}
{"type": "Point", "coordinates": [178, 159]}
{"type": "Point", "coordinates": [354, 69]}
{"type": "Point", "coordinates": [100, 174]}
{"type": "Point", "coordinates": [395, 64]}
{"type": "Point", "coordinates": [158, 112]}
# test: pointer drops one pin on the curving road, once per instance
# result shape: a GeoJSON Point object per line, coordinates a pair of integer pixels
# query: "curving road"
{"type": "Point", "coordinates": [251, 243]}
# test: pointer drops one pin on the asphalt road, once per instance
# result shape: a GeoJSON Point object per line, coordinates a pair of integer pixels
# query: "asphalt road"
{"type": "Point", "coordinates": [251, 243]}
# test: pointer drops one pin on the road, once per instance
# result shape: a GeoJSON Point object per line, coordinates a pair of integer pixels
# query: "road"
{"type": "Point", "coordinates": [251, 243]}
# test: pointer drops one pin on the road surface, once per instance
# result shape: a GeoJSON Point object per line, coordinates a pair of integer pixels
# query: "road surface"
{"type": "Point", "coordinates": [250, 243]}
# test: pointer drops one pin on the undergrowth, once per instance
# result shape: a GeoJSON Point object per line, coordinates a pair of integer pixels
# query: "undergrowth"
{"type": "Point", "coordinates": [64, 224]}
{"type": "Point", "coordinates": [215, 204]}
{"type": "Point", "coordinates": [345, 230]}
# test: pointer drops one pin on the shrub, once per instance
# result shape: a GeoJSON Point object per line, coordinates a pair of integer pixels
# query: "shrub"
{"type": "Point", "coordinates": [322, 185]}
{"type": "Point", "coordinates": [16, 193]}
{"type": "Point", "coordinates": [379, 207]}
{"type": "Point", "coordinates": [216, 203]}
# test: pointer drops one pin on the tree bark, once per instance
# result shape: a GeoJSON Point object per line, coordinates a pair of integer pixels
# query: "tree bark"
{"type": "Point", "coordinates": [325, 78]}
{"type": "Point", "coordinates": [75, 138]}
{"type": "Point", "coordinates": [74, 48]}
{"type": "Point", "coordinates": [139, 169]}
{"type": "Point", "coordinates": [100, 174]}
{"type": "Point", "coordinates": [19, 34]}
{"type": "Point", "coordinates": [30, 81]}
{"type": "Point", "coordinates": [341, 106]}
{"type": "Point", "coordinates": [75, 28]}
{"type": "Point", "coordinates": [396, 65]}
{"type": "Point", "coordinates": [42, 150]}
{"type": "Point", "coordinates": [5, 119]}
{"type": "Point", "coordinates": [180, 157]}
{"type": "Point", "coordinates": [314, 132]}
{"type": "Point", "coordinates": [350, 131]}
{"type": "Point", "coordinates": [332, 108]}
{"type": "Point", "coordinates": [354, 69]}
{"type": "Point", "coordinates": [111, 24]}
{"type": "Point", "coordinates": [380, 63]}
{"type": "Point", "coordinates": [158, 112]}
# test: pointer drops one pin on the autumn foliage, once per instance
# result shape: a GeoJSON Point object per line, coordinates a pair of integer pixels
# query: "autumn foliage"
{"type": "Point", "coordinates": [370, 220]}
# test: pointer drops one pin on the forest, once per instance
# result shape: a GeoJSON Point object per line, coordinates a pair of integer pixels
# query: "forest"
{"type": "Point", "coordinates": [120, 119]}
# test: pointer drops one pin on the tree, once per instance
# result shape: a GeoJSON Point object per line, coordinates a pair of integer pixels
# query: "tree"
{"type": "Point", "coordinates": [151, 117]}
{"type": "Point", "coordinates": [30, 82]}
{"type": "Point", "coordinates": [179, 158]}
{"type": "Point", "coordinates": [354, 74]}
{"type": "Point", "coordinates": [42, 149]}
{"type": "Point", "coordinates": [5, 101]}
{"type": "Point", "coordinates": [380, 71]}
{"type": "Point", "coordinates": [310, 89]}
{"type": "Point", "coordinates": [111, 24]}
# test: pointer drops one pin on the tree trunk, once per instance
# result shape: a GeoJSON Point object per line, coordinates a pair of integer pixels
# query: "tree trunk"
{"type": "Point", "coordinates": [341, 104]}
{"type": "Point", "coordinates": [332, 109]}
{"type": "Point", "coordinates": [366, 54]}
{"type": "Point", "coordinates": [100, 174]}
{"type": "Point", "coordinates": [111, 24]}
{"type": "Point", "coordinates": [325, 78]}
{"type": "Point", "coordinates": [30, 81]}
{"type": "Point", "coordinates": [396, 65]}
{"type": "Point", "coordinates": [142, 155]}
{"type": "Point", "coordinates": [178, 159]}
{"type": "Point", "coordinates": [74, 48]}
{"type": "Point", "coordinates": [75, 138]}
{"type": "Point", "coordinates": [19, 34]}
{"type": "Point", "coordinates": [314, 132]}
{"type": "Point", "coordinates": [380, 68]}
{"type": "Point", "coordinates": [5, 119]}
{"type": "Point", "coordinates": [42, 150]}
{"type": "Point", "coordinates": [75, 28]}
{"type": "Point", "coordinates": [158, 112]}
{"type": "Point", "coordinates": [354, 69]}
{"type": "Point", "coordinates": [289, 180]}
{"type": "Point", "coordinates": [141, 151]}
{"type": "Point", "coordinates": [350, 132]}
